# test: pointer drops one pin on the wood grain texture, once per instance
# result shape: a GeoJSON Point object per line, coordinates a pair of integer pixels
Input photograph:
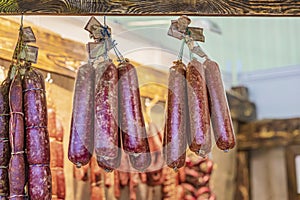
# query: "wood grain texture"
{"type": "Point", "coordinates": [153, 7]}
{"type": "Point", "coordinates": [268, 133]}
{"type": "Point", "coordinates": [49, 43]}
{"type": "Point", "coordinates": [291, 152]}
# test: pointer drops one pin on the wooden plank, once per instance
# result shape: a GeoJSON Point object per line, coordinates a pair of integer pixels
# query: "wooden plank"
{"type": "Point", "coordinates": [153, 7]}
{"type": "Point", "coordinates": [291, 153]}
{"type": "Point", "coordinates": [55, 52]}
{"type": "Point", "coordinates": [243, 176]}
{"type": "Point", "coordinates": [268, 133]}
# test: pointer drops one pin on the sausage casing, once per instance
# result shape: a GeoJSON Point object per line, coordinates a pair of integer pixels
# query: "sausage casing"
{"type": "Point", "coordinates": [107, 139]}
{"type": "Point", "coordinates": [134, 136]}
{"type": "Point", "coordinates": [17, 177]}
{"type": "Point", "coordinates": [39, 182]}
{"type": "Point", "coordinates": [198, 106]}
{"type": "Point", "coordinates": [81, 143]}
{"type": "Point", "coordinates": [220, 114]}
{"type": "Point", "coordinates": [176, 131]}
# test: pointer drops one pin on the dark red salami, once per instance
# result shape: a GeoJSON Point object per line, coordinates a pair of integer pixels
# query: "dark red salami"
{"type": "Point", "coordinates": [59, 153]}
{"type": "Point", "coordinates": [134, 136]}
{"type": "Point", "coordinates": [4, 190]}
{"type": "Point", "coordinates": [4, 124]}
{"type": "Point", "coordinates": [17, 178]}
{"type": "Point", "coordinates": [198, 106]}
{"type": "Point", "coordinates": [60, 180]}
{"type": "Point", "coordinates": [59, 130]}
{"type": "Point", "coordinates": [81, 143]}
{"type": "Point", "coordinates": [39, 182]}
{"type": "Point", "coordinates": [36, 120]}
{"type": "Point", "coordinates": [176, 131]}
{"type": "Point", "coordinates": [220, 114]}
{"type": "Point", "coordinates": [51, 122]}
{"type": "Point", "coordinates": [107, 139]}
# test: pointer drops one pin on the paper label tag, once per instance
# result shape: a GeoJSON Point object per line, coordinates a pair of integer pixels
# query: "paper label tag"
{"type": "Point", "coordinates": [196, 33]}
{"type": "Point", "coordinates": [92, 24]}
{"type": "Point", "coordinates": [29, 54]}
{"type": "Point", "coordinates": [28, 35]}
{"type": "Point", "coordinates": [97, 49]}
{"type": "Point", "coordinates": [173, 30]}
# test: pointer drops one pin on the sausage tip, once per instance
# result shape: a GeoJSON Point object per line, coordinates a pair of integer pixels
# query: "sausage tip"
{"type": "Point", "coordinates": [78, 165]}
{"type": "Point", "coordinates": [226, 150]}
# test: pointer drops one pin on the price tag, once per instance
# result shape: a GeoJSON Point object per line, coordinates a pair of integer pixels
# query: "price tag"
{"type": "Point", "coordinates": [97, 49]}
{"type": "Point", "coordinates": [196, 33]}
{"type": "Point", "coordinates": [29, 54]}
{"type": "Point", "coordinates": [96, 29]}
{"type": "Point", "coordinates": [28, 35]}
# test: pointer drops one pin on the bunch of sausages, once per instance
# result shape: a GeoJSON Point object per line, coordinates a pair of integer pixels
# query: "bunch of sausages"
{"type": "Point", "coordinates": [56, 133]}
{"type": "Point", "coordinates": [24, 130]}
{"type": "Point", "coordinates": [107, 117]}
{"type": "Point", "coordinates": [196, 96]}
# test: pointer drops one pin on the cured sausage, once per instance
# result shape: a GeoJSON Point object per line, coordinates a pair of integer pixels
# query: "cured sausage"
{"type": "Point", "coordinates": [107, 139]}
{"type": "Point", "coordinates": [133, 183]}
{"type": "Point", "coordinates": [37, 136]}
{"type": "Point", "coordinates": [4, 138]}
{"type": "Point", "coordinates": [59, 130]}
{"type": "Point", "coordinates": [17, 179]}
{"type": "Point", "coordinates": [117, 191]}
{"type": "Point", "coordinates": [176, 140]}
{"type": "Point", "coordinates": [124, 170]}
{"type": "Point", "coordinates": [198, 106]}
{"type": "Point", "coordinates": [51, 122]}
{"type": "Point", "coordinates": [134, 136]}
{"type": "Point", "coordinates": [54, 183]}
{"type": "Point", "coordinates": [39, 182]}
{"type": "Point", "coordinates": [35, 110]}
{"type": "Point", "coordinates": [81, 143]}
{"type": "Point", "coordinates": [59, 149]}
{"type": "Point", "coordinates": [60, 178]}
{"type": "Point", "coordinates": [220, 114]}
{"type": "Point", "coordinates": [81, 174]}
{"type": "Point", "coordinates": [97, 190]}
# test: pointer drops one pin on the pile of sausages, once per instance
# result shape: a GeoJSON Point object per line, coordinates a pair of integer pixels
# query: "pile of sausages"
{"type": "Point", "coordinates": [24, 130]}
{"type": "Point", "coordinates": [196, 96]}
{"type": "Point", "coordinates": [107, 117]}
{"type": "Point", "coordinates": [56, 133]}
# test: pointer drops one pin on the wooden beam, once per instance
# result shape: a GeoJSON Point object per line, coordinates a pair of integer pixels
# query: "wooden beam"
{"type": "Point", "coordinates": [153, 7]}
{"type": "Point", "coordinates": [268, 133]}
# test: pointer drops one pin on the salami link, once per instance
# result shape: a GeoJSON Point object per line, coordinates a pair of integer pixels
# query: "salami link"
{"type": "Point", "coordinates": [59, 149]}
{"type": "Point", "coordinates": [60, 178]}
{"type": "Point", "coordinates": [81, 143]}
{"type": "Point", "coordinates": [134, 136]}
{"type": "Point", "coordinates": [220, 114]}
{"type": "Point", "coordinates": [39, 182]}
{"type": "Point", "coordinates": [107, 139]}
{"type": "Point", "coordinates": [96, 177]}
{"type": "Point", "coordinates": [59, 130]}
{"type": "Point", "coordinates": [35, 110]}
{"type": "Point", "coordinates": [51, 122]}
{"type": "Point", "coordinates": [198, 106]}
{"type": "Point", "coordinates": [176, 140]}
{"type": "Point", "coordinates": [17, 179]}
{"type": "Point", "coordinates": [37, 136]}
{"type": "Point", "coordinates": [4, 138]}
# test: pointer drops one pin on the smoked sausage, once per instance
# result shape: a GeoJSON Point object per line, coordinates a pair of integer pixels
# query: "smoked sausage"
{"type": "Point", "coordinates": [17, 178]}
{"type": "Point", "coordinates": [39, 182]}
{"type": "Point", "coordinates": [37, 136]}
{"type": "Point", "coordinates": [176, 140]}
{"type": "Point", "coordinates": [132, 124]}
{"type": "Point", "coordinates": [81, 143]}
{"type": "Point", "coordinates": [4, 138]}
{"type": "Point", "coordinates": [107, 139]}
{"type": "Point", "coordinates": [220, 114]}
{"type": "Point", "coordinates": [198, 106]}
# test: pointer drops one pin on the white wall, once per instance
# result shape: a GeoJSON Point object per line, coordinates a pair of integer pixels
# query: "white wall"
{"type": "Point", "coordinates": [275, 92]}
